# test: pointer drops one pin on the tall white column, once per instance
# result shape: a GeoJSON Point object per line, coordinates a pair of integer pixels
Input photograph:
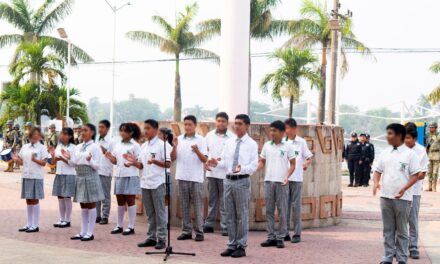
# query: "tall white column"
{"type": "Point", "coordinates": [234, 65]}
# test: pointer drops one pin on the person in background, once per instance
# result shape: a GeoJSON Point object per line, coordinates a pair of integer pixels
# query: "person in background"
{"type": "Point", "coordinates": [52, 139]}
{"type": "Point", "coordinates": [352, 157]}
{"type": "Point", "coordinates": [77, 132]}
{"type": "Point", "coordinates": [432, 142]}
{"type": "Point", "coordinates": [365, 161]}
{"type": "Point", "coordinates": [215, 141]}
{"type": "Point", "coordinates": [27, 128]}
{"type": "Point", "coordinates": [395, 172]}
{"type": "Point", "coordinates": [190, 153]}
{"type": "Point", "coordinates": [19, 143]}
{"type": "Point", "coordinates": [10, 142]}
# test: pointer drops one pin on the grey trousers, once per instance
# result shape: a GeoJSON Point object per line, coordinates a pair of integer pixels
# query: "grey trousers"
{"type": "Point", "coordinates": [276, 195]}
{"type": "Point", "coordinates": [395, 217]}
{"type": "Point", "coordinates": [154, 204]}
{"type": "Point", "coordinates": [237, 194]}
{"type": "Point", "coordinates": [215, 203]}
{"type": "Point", "coordinates": [414, 223]}
{"type": "Point", "coordinates": [103, 207]}
{"type": "Point", "coordinates": [191, 194]}
{"type": "Point", "coordinates": [295, 201]}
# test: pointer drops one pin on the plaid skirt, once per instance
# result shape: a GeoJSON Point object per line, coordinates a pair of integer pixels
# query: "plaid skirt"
{"type": "Point", "coordinates": [32, 189]}
{"type": "Point", "coordinates": [88, 188]}
{"type": "Point", "coordinates": [127, 185]}
{"type": "Point", "coordinates": [64, 185]}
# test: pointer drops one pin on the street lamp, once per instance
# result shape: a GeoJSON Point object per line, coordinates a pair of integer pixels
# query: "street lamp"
{"type": "Point", "coordinates": [114, 9]}
{"type": "Point", "coordinates": [63, 34]}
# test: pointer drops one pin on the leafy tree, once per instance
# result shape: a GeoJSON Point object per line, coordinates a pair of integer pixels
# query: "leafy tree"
{"type": "Point", "coordinates": [178, 41]}
{"type": "Point", "coordinates": [434, 96]}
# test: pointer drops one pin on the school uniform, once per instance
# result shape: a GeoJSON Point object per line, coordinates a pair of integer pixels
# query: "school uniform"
{"type": "Point", "coordinates": [153, 188]}
{"type": "Point", "coordinates": [396, 165]}
{"type": "Point", "coordinates": [189, 175]}
{"type": "Point", "coordinates": [215, 143]}
{"type": "Point", "coordinates": [302, 154]}
{"type": "Point", "coordinates": [105, 175]}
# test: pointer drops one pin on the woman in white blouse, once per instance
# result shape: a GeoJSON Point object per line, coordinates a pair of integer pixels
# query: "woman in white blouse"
{"type": "Point", "coordinates": [33, 156]}
{"type": "Point", "coordinates": [64, 183]}
{"type": "Point", "coordinates": [88, 189]}
{"type": "Point", "coordinates": [127, 182]}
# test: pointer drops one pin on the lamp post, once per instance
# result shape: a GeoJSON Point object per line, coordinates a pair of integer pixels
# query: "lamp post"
{"type": "Point", "coordinates": [114, 9]}
{"type": "Point", "coordinates": [63, 35]}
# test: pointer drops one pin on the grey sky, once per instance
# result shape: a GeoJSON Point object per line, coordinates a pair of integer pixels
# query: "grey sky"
{"type": "Point", "coordinates": [369, 83]}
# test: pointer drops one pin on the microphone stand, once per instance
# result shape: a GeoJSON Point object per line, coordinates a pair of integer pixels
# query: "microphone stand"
{"type": "Point", "coordinates": [169, 249]}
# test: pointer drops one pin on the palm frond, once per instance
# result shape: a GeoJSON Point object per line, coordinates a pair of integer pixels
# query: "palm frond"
{"type": "Point", "coordinates": [54, 16]}
{"type": "Point", "coordinates": [168, 29]}
{"type": "Point", "coordinates": [198, 53]}
{"type": "Point", "coordinates": [434, 96]}
{"type": "Point", "coordinates": [14, 16]}
{"type": "Point", "coordinates": [154, 40]}
{"type": "Point", "coordinates": [210, 26]}
{"type": "Point", "coordinates": [435, 68]}
{"type": "Point", "coordinates": [60, 46]}
{"type": "Point", "coordinates": [10, 39]}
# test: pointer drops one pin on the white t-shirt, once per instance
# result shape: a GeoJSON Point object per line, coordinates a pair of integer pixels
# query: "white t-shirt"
{"type": "Point", "coordinates": [277, 157]}
{"type": "Point", "coordinates": [421, 153]}
{"type": "Point", "coordinates": [85, 149]}
{"type": "Point", "coordinates": [32, 170]}
{"type": "Point", "coordinates": [121, 148]}
{"type": "Point", "coordinates": [62, 167]}
{"type": "Point", "coordinates": [105, 166]}
{"type": "Point", "coordinates": [188, 165]}
{"type": "Point", "coordinates": [397, 166]}
{"type": "Point", "coordinates": [152, 175]}
{"type": "Point", "coordinates": [247, 156]}
{"type": "Point", "coordinates": [302, 154]}
{"type": "Point", "coordinates": [216, 143]}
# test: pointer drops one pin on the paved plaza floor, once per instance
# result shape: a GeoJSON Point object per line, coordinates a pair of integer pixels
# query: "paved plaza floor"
{"type": "Point", "coordinates": [358, 239]}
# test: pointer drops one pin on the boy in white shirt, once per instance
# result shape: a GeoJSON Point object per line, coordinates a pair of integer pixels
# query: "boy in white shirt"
{"type": "Point", "coordinates": [395, 172]}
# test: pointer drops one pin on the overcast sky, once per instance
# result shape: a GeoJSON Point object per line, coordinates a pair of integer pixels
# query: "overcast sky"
{"type": "Point", "coordinates": [369, 83]}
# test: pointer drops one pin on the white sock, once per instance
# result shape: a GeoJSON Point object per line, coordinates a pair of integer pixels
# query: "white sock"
{"type": "Point", "coordinates": [36, 216]}
{"type": "Point", "coordinates": [92, 221]}
{"type": "Point", "coordinates": [121, 212]}
{"type": "Point", "coordinates": [84, 221]}
{"type": "Point", "coordinates": [29, 215]}
{"type": "Point", "coordinates": [131, 216]}
{"type": "Point", "coordinates": [68, 206]}
{"type": "Point", "coordinates": [62, 209]}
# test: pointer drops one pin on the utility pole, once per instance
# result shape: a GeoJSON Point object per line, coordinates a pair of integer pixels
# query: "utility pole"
{"type": "Point", "coordinates": [334, 26]}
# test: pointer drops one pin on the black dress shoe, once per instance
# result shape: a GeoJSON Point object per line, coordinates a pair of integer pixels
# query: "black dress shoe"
{"type": "Point", "coordinates": [76, 237]}
{"type": "Point", "coordinates": [199, 238]}
{"type": "Point", "coordinates": [240, 252]}
{"type": "Point", "coordinates": [160, 245]}
{"type": "Point", "coordinates": [386, 262]}
{"type": "Point", "coordinates": [117, 230]}
{"type": "Point", "coordinates": [57, 224]}
{"type": "Point", "coordinates": [128, 231]}
{"type": "Point", "coordinates": [402, 262]}
{"type": "Point", "coordinates": [64, 225]}
{"type": "Point", "coordinates": [280, 244]}
{"type": "Point", "coordinates": [269, 243]}
{"type": "Point", "coordinates": [32, 230]}
{"type": "Point", "coordinates": [350, 185]}
{"type": "Point", "coordinates": [88, 238]}
{"type": "Point", "coordinates": [148, 243]}
{"type": "Point", "coordinates": [287, 238]}
{"type": "Point", "coordinates": [98, 219]}
{"type": "Point", "coordinates": [23, 229]}
{"type": "Point", "coordinates": [184, 237]}
{"type": "Point", "coordinates": [414, 254]}
{"type": "Point", "coordinates": [104, 221]}
{"type": "Point", "coordinates": [208, 229]}
{"type": "Point", "coordinates": [227, 253]}
{"type": "Point", "coordinates": [296, 239]}
{"type": "Point", "coordinates": [224, 232]}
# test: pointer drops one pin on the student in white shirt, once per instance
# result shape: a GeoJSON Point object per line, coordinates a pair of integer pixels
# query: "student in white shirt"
{"type": "Point", "coordinates": [303, 161]}
{"type": "Point", "coordinates": [395, 172]}
{"type": "Point", "coordinates": [215, 141]}
{"type": "Point", "coordinates": [105, 172]}
{"type": "Point", "coordinates": [190, 154]}
{"type": "Point", "coordinates": [127, 182]}
{"type": "Point", "coordinates": [278, 157]}
{"type": "Point", "coordinates": [64, 183]}
{"type": "Point", "coordinates": [411, 142]}
{"type": "Point", "coordinates": [33, 156]}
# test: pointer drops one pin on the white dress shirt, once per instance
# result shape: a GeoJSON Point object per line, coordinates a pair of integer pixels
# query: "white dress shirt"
{"type": "Point", "coordinates": [247, 157]}
{"type": "Point", "coordinates": [216, 142]}
{"type": "Point", "coordinates": [397, 166]}
{"type": "Point", "coordinates": [121, 148]}
{"type": "Point", "coordinates": [152, 175]}
{"type": "Point", "coordinates": [85, 149]}
{"type": "Point", "coordinates": [302, 154]}
{"type": "Point", "coordinates": [62, 167]}
{"type": "Point", "coordinates": [105, 165]}
{"type": "Point", "coordinates": [31, 170]}
{"type": "Point", "coordinates": [421, 153]}
{"type": "Point", "coordinates": [277, 160]}
{"type": "Point", "coordinates": [188, 165]}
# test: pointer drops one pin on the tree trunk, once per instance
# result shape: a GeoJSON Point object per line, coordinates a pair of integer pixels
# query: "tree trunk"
{"type": "Point", "coordinates": [177, 114]}
{"type": "Point", "coordinates": [291, 107]}
{"type": "Point", "coordinates": [321, 96]}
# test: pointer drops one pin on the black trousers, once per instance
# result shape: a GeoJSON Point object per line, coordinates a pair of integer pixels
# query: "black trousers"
{"type": "Point", "coordinates": [353, 169]}
{"type": "Point", "coordinates": [365, 171]}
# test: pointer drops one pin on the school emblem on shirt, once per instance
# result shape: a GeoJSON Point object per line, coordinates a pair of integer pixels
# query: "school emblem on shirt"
{"type": "Point", "coordinates": [153, 155]}
{"type": "Point", "coordinates": [282, 152]}
{"type": "Point", "coordinates": [296, 152]}
{"type": "Point", "coordinates": [403, 166]}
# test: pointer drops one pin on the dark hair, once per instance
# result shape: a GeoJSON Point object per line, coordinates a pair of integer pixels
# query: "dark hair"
{"type": "Point", "coordinates": [132, 129]}
{"type": "Point", "coordinates": [105, 122]}
{"type": "Point", "coordinates": [290, 122]}
{"type": "Point", "coordinates": [410, 125]}
{"type": "Point", "coordinates": [222, 115]}
{"type": "Point", "coordinates": [36, 129]}
{"type": "Point", "coordinates": [170, 136]}
{"type": "Point", "coordinates": [411, 129]}
{"type": "Point", "coordinates": [243, 117]}
{"type": "Point", "coordinates": [398, 129]}
{"type": "Point", "coordinates": [278, 125]}
{"type": "Point", "coordinates": [153, 123]}
{"type": "Point", "coordinates": [93, 128]}
{"type": "Point", "coordinates": [68, 131]}
{"type": "Point", "coordinates": [191, 118]}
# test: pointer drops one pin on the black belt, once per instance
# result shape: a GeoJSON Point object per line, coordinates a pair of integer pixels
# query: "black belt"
{"type": "Point", "coordinates": [237, 177]}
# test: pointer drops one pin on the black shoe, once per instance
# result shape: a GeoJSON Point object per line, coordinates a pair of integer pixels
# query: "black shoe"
{"type": "Point", "coordinates": [64, 225]}
{"type": "Point", "coordinates": [88, 238]}
{"type": "Point", "coordinates": [98, 219]}
{"type": "Point", "coordinates": [350, 185]}
{"type": "Point", "coordinates": [287, 238]}
{"type": "Point", "coordinates": [128, 231]}
{"type": "Point", "coordinates": [199, 237]}
{"type": "Point", "coordinates": [160, 245]}
{"type": "Point", "coordinates": [184, 237]}
{"type": "Point", "coordinates": [356, 185]}
{"type": "Point", "coordinates": [76, 237]}
{"type": "Point", "coordinates": [148, 243]}
{"type": "Point", "coordinates": [57, 224]}
{"type": "Point", "coordinates": [240, 252]}
{"type": "Point", "coordinates": [104, 221]}
{"type": "Point", "coordinates": [269, 243]}
{"type": "Point", "coordinates": [414, 254]}
{"type": "Point", "coordinates": [280, 244]}
{"type": "Point", "coordinates": [117, 230]}
{"type": "Point", "coordinates": [208, 229]}
{"type": "Point", "coordinates": [296, 239]}
{"type": "Point", "coordinates": [227, 253]}
{"type": "Point", "coordinates": [32, 230]}
{"type": "Point", "coordinates": [225, 233]}
{"type": "Point", "coordinates": [386, 262]}
{"type": "Point", "coordinates": [401, 262]}
{"type": "Point", "coordinates": [23, 229]}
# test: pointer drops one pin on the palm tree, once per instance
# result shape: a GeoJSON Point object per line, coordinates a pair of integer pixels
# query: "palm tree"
{"type": "Point", "coordinates": [178, 41]}
{"type": "Point", "coordinates": [34, 24]}
{"type": "Point", "coordinates": [296, 65]}
{"type": "Point", "coordinates": [434, 96]}
{"type": "Point", "coordinates": [313, 30]}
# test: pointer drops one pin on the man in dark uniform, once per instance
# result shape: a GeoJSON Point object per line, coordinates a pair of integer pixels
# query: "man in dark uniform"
{"type": "Point", "coordinates": [365, 161]}
{"type": "Point", "coordinates": [352, 155]}
{"type": "Point", "coordinates": [10, 142]}
{"type": "Point", "coordinates": [372, 148]}
{"type": "Point", "coordinates": [19, 144]}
